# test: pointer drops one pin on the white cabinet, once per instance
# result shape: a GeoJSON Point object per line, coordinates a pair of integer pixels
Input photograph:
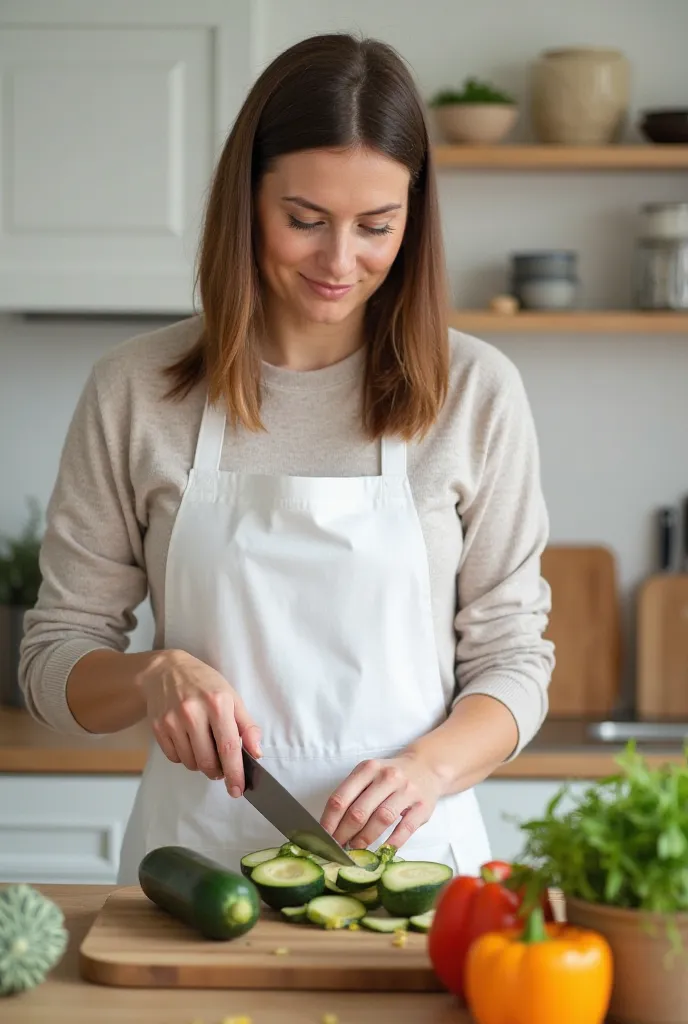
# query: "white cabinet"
{"type": "Point", "coordinates": [63, 828]}
{"type": "Point", "coordinates": [111, 118]}
{"type": "Point", "coordinates": [506, 802]}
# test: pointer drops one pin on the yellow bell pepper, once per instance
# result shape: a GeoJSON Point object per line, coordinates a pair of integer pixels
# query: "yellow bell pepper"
{"type": "Point", "coordinates": [545, 974]}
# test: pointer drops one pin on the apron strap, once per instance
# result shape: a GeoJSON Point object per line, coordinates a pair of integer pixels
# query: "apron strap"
{"type": "Point", "coordinates": [393, 455]}
{"type": "Point", "coordinates": [210, 438]}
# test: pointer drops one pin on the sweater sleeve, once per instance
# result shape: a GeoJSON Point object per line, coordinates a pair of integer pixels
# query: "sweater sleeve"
{"type": "Point", "coordinates": [503, 601]}
{"type": "Point", "coordinates": [91, 561]}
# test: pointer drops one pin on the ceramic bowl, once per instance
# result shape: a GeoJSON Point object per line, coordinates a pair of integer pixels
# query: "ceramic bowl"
{"type": "Point", "coordinates": [665, 126]}
{"type": "Point", "coordinates": [476, 123]}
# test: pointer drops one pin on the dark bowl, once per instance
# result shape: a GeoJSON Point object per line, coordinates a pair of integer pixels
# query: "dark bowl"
{"type": "Point", "coordinates": [665, 126]}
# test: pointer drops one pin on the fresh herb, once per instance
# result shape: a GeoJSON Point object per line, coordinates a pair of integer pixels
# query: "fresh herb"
{"type": "Point", "coordinates": [474, 91]}
{"type": "Point", "coordinates": [624, 843]}
{"type": "Point", "coordinates": [20, 574]}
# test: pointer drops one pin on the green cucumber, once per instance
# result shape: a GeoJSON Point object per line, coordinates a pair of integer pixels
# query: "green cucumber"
{"type": "Point", "coordinates": [355, 879]}
{"type": "Point", "coordinates": [422, 922]}
{"type": "Point", "coordinates": [294, 914]}
{"type": "Point", "coordinates": [288, 881]}
{"type": "Point", "coordinates": [252, 860]}
{"type": "Point", "coordinates": [335, 911]}
{"type": "Point", "coordinates": [200, 892]}
{"type": "Point", "coordinates": [409, 888]}
{"type": "Point", "coordinates": [388, 925]}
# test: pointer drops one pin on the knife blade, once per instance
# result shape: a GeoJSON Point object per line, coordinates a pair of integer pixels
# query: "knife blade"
{"type": "Point", "coordinates": [287, 815]}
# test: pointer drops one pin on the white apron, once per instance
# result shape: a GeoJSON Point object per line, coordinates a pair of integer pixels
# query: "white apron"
{"type": "Point", "coordinates": [311, 596]}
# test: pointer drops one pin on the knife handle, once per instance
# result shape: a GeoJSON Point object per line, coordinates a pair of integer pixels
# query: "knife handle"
{"type": "Point", "coordinates": [667, 530]}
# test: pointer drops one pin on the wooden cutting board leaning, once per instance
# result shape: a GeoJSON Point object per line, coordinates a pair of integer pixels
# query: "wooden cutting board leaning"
{"type": "Point", "coordinates": [662, 630]}
{"type": "Point", "coordinates": [585, 626]}
{"type": "Point", "coordinates": [134, 943]}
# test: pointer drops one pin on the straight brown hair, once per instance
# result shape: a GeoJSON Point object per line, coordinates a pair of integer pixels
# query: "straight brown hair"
{"type": "Point", "coordinates": [331, 91]}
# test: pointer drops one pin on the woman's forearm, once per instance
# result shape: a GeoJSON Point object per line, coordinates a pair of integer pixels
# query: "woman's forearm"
{"type": "Point", "coordinates": [104, 692]}
{"type": "Point", "coordinates": [479, 734]}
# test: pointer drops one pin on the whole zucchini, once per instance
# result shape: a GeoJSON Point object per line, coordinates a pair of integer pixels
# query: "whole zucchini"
{"type": "Point", "coordinates": [218, 903]}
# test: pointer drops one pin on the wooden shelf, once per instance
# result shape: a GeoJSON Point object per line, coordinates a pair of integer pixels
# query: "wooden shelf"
{"type": "Point", "coordinates": [476, 321]}
{"type": "Point", "coordinates": [575, 158]}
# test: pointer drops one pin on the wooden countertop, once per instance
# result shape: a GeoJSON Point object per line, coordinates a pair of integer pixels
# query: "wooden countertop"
{"type": "Point", "coordinates": [64, 998]}
{"type": "Point", "coordinates": [560, 750]}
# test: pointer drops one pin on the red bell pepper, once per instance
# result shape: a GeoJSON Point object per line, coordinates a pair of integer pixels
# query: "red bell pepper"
{"type": "Point", "coordinates": [469, 907]}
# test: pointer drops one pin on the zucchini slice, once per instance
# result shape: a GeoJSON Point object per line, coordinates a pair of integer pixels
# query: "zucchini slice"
{"type": "Point", "coordinates": [294, 914]}
{"type": "Point", "coordinates": [252, 860]}
{"type": "Point", "coordinates": [218, 903]}
{"type": "Point", "coordinates": [335, 911]}
{"type": "Point", "coordinates": [422, 922]}
{"type": "Point", "coordinates": [331, 871]}
{"type": "Point", "coordinates": [370, 898]}
{"type": "Point", "coordinates": [290, 850]}
{"type": "Point", "coordinates": [388, 925]}
{"type": "Point", "coordinates": [288, 881]}
{"type": "Point", "coordinates": [364, 858]}
{"type": "Point", "coordinates": [409, 888]}
{"type": "Point", "coordinates": [354, 879]}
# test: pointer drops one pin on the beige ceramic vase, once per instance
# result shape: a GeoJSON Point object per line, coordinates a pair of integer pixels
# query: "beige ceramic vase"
{"type": "Point", "coordinates": [647, 989]}
{"type": "Point", "coordinates": [580, 96]}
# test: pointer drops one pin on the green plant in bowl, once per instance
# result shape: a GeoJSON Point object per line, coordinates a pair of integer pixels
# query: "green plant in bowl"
{"type": "Point", "coordinates": [478, 113]}
{"type": "Point", "coordinates": [474, 91]}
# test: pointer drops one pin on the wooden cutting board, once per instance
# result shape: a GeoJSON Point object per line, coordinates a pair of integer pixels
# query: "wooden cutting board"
{"type": "Point", "coordinates": [585, 627]}
{"type": "Point", "coordinates": [135, 944]}
{"type": "Point", "coordinates": [662, 647]}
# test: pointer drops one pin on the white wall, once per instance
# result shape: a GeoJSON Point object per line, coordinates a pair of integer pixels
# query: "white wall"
{"type": "Point", "coordinates": [611, 411]}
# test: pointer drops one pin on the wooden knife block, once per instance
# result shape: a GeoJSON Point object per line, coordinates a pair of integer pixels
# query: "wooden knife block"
{"type": "Point", "coordinates": [662, 647]}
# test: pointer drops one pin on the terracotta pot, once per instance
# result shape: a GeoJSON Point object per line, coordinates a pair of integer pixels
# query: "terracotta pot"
{"type": "Point", "coordinates": [647, 989]}
{"type": "Point", "coordinates": [476, 123]}
{"type": "Point", "coordinates": [580, 96]}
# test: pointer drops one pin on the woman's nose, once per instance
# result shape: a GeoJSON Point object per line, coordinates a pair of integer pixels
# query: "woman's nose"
{"type": "Point", "coordinates": [338, 257]}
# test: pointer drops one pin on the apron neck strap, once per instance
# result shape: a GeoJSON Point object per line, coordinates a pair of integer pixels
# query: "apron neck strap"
{"type": "Point", "coordinates": [393, 456]}
{"type": "Point", "coordinates": [210, 438]}
{"type": "Point", "coordinates": [212, 432]}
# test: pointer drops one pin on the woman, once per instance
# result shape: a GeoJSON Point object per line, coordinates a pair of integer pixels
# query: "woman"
{"type": "Point", "coordinates": [333, 500]}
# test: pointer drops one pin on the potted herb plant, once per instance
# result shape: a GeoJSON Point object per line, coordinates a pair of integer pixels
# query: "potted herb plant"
{"type": "Point", "coordinates": [20, 579]}
{"type": "Point", "coordinates": [478, 113]}
{"type": "Point", "coordinates": [620, 858]}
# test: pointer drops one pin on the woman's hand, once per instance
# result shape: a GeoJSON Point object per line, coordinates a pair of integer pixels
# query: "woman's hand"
{"type": "Point", "coordinates": [197, 718]}
{"type": "Point", "coordinates": [375, 794]}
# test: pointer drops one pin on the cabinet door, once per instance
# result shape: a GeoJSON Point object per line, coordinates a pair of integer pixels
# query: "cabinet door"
{"type": "Point", "coordinates": [505, 803]}
{"type": "Point", "coordinates": [109, 130]}
{"type": "Point", "coordinates": [63, 828]}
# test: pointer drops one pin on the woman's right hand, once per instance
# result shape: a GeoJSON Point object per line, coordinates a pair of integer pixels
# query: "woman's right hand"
{"type": "Point", "coordinates": [198, 719]}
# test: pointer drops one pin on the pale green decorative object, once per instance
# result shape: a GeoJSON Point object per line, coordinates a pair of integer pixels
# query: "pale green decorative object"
{"type": "Point", "coordinates": [32, 938]}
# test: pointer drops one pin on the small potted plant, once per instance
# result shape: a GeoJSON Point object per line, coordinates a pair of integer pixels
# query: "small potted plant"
{"type": "Point", "coordinates": [20, 579]}
{"type": "Point", "coordinates": [619, 855]}
{"type": "Point", "coordinates": [478, 113]}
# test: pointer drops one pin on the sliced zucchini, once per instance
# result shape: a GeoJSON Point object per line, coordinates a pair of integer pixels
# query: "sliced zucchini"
{"type": "Point", "coordinates": [409, 888]}
{"type": "Point", "coordinates": [386, 853]}
{"type": "Point", "coordinates": [388, 925]}
{"type": "Point", "coordinates": [422, 922]}
{"type": "Point", "coordinates": [354, 879]}
{"type": "Point", "coordinates": [294, 914]}
{"type": "Point", "coordinates": [335, 911]}
{"type": "Point", "coordinates": [252, 860]}
{"type": "Point", "coordinates": [364, 858]}
{"type": "Point", "coordinates": [218, 903]}
{"type": "Point", "coordinates": [331, 871]}
{"type": "Point", "coordinates": [290, 850]}
{"type": "Point", "coordinates": [288, 881]}
{"type": "Point", "coordinates": [370, 898]}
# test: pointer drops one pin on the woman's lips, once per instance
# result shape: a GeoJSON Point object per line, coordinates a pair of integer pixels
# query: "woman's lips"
{"type": "Point", "coordinates": [328, 291]}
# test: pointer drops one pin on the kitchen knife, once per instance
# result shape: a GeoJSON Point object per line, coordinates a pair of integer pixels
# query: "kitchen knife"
{"type": "Point", "coordinates": [287, 815]}
{"type": "Point", "coordinates": [667, 529]}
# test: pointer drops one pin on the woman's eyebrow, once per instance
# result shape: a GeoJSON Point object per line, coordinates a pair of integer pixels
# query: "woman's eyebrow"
{"type": "Point", "coordinates": [307, 205]}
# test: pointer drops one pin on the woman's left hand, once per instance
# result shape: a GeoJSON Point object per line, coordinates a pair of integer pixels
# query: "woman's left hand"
{"type": "Point", "coordinates": [375, 794]}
